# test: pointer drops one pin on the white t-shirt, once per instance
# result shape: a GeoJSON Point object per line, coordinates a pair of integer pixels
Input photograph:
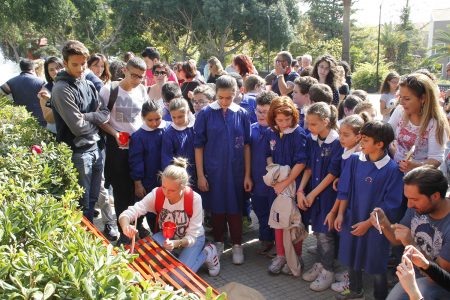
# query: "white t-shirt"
{"type": "Point", "coordinates": [126, 112]}
{"type": "Point", "coordinates": [407, 135]}
{"type": "Point", "coordinates": [186, 228]}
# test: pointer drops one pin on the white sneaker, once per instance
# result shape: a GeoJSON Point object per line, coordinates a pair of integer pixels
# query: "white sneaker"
{"type": "Point", "coordinates": [313, 273]}
{"type": "Point", "coordinates": [219, 248]}
{"type": "Point", "coordinates": [340, 286]}
{"type": "Point", "coordinates": [342, 276]}
{"type": "Point", "coordinates": [277, 264]}
{"type": "Point", "coordinates": [238, 254]}
{"type": "Point", "coordinates": [212, 260]}
{"type": "Point", "coordinates": [323, 281]}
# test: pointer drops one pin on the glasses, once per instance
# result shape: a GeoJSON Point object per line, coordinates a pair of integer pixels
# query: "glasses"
{"type": "Point", "coordinates": [200, 102]}
{"type": "Point", "coordinates": [136, 76]}
{"type": "Point", "coordinates": [157, 73]}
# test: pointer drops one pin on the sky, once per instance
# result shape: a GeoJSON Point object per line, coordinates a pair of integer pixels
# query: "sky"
{"type": "Point", "coordinates": [368, 10]}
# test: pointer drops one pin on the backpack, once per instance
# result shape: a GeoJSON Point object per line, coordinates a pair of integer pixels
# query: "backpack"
{"type": "Point", "coordinates": [159, 203]}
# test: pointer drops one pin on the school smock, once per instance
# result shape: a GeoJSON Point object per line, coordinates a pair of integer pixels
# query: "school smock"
{"type": "Point", "coordinates": [345, 156]}
{"type": "Point", "coordinates": [223, 135]}
{"type": "Point", "coordinates": [179, 142]}
{"type": "Point", "coordinates": [249, 104]}
{"type": "Point", "coordinates": [324, 158]}
{"type": "Point", "coordinates": [366, 185]}
{"type": "Point", "coordinates": [258, 141]}
{"type": "Point", "coordinates": [144, 154]}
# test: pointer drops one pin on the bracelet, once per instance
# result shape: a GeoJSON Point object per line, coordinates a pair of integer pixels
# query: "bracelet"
{"type": "Point", "coordinates": [180, 244]}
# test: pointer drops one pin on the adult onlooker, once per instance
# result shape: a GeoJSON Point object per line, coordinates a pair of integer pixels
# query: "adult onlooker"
{"type": "Point", "coordinates": [306, 61]}
{"type": "Point", "coordinates": [342, 85]}
{"type": "Point", "coordinates": [326, 72]}
{"type": "Point", "coordinates": [78, 113]}
{"type": "Point", "coordinates": [161, 74]}
{"type": "Point", "coordinates": [151, 56]}
{"type": "Point", "coordinates": [188, 73]}
{"type": "Point", "coordinates": [348, 72]}
{"type": "Point", "coordinates": [99, 65]}
{"type": "Point", "coordinates": [419, 121]}
{"type": "Point", "coordinates": [24, 89]}
{"type": "Point", "coordinates": [426, 224]}
{"type": "Point", "coordinates": [388, 91]}
{"type": "Point", "coordinates": [124, 100]}
{"type": "Point", "coordinates": [244, 66]}
{"type": "Point", "coordinates": [284, 74]}
{"type": "Point", "coordinates": [215, 69]}
{"type": "Point", "coordinates": [52, 66]}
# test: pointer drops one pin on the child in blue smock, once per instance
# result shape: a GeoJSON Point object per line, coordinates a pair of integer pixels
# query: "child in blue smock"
{"type": "Point", "coordinates": [370, 179]}
{"type": "Point", "coordinates": [145, 153]}
{"type": "Point", "coordinates": [287, 146]}
{"type": "Point", "coordinates": [324, 166]}
{"type": "Point", "coordinates": [178, 139]}
{"type": "Point", "coordinates": [261, 201]}
{"type": "Point", "coordinates": [349, 138]}
{"type": "Point", "coordinates": [222, 159]}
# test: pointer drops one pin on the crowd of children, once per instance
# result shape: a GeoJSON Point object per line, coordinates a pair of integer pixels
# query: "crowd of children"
{"type": "Point", "coordinates": [328, 154]}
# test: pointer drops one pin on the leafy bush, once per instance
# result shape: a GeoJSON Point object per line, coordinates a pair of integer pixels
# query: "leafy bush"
{"type": "Point", "coordinates": [44, 253]}
{"type": "Point", "coordinates": [365, 77]}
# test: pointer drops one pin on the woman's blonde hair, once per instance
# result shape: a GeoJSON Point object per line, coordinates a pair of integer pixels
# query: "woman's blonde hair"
{"type": "Point", "coordinates": [177, 171]}
{"type": "Point", "coordinates": [425, 89]}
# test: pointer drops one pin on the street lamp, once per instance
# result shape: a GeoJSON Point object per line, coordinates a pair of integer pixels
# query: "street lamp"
{"type": "Point", "coordinates": [268, 43]}
{"type": "Point", "coordinates": [378, 46]}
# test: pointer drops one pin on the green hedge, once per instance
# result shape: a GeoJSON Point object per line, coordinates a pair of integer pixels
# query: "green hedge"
{"type": "Point", "coordinates": [44, 254]}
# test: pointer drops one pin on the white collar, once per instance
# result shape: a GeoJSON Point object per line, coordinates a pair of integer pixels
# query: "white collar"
{"type": "Point", "coordinates": [290, 129]}
{"type": "Point", "coordinates": [233, 107]}
{"type": "Point", "coordinates": [379, 163]}
{"type": "Point", "coordinates": [191, 119]}
{"type": "Point", "coordinates": [162, 125]}
{"type": "Point", "coordinates": [331, 137]}
{"type": "Point", "coordinates": [348, 152]}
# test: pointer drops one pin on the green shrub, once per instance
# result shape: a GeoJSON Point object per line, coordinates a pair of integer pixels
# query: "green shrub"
{"type": "Point", "coordinates": [44, 253]}
{"type": "Point", "coordinates": [365, 77]}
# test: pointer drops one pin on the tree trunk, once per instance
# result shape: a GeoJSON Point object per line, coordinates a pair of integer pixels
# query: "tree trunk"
{"type": "Point", "coordinates": [346, 31]}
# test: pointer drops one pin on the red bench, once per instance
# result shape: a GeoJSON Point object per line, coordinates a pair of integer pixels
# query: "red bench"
{"type": "Point", "coordinates": [157, 264]}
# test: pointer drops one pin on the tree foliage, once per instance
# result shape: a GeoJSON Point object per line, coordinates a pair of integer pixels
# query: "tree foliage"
{"type": "Point", "coordinates": [326, 17]}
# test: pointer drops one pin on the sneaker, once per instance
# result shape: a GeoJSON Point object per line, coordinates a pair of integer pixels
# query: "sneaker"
{"type": "Point", "coordinates": [277, 264]}
{"type": "Point", "coordinates": [340, 286]}
{"type": "Point", "coordinates": [111, 233]}
{"type": "Point", "coordinates": [312, 249]}
{"type": "Point", "coordinates": [123, 240]}
{"type": "Point", "coordinates": [212, 260]}
{"type": "Point", "coordinates": [219, 248]}
{"type": "Point", "coordinates": [342, 276]}
{"type": "Point", "coordinates": [347, 294]}
{"type": "Point", "coordinates": [323, 281]}
{"type": "Point", "coordinates": [238, 254]}
{"type": "Point", "coordinates": [312, 273]}
{"type": "Point", "coordinates": [143, 233]}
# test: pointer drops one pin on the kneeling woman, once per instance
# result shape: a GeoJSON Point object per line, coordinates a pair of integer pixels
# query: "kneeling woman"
{"type": "Point", "coordinates": [169, 203]}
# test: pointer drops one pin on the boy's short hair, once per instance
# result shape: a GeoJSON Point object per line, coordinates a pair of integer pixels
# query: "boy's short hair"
{"type": "Point", "coordinates": [305, 83]}
{"type": "Point", "coordinates": [265, 98]}
{"type": "Point", "coordinates": [26, 65]}
{"type": "Point", "coordinates": [206, 90]}
{"type": "Point", "coordinates": [379, 132]}
{"type": "Point", "coordinates": [307, 71]}
{"type": "Point", "coordinates": [320, 92]}
{"type": "Point", "coordinates": [137, 63]}
{"type": "Point", "coordinates": [170, 90]}
{"type": "Point", "coordinates": [150, 52]}
{"type": "Point", "coordinates": [74, 47]}
{"type": "Point", "coordinates": [252, 82]}
{"type": "Point", "coordinates": [116, 69]}
{"type": "Point", "coordinates": [238, 78]}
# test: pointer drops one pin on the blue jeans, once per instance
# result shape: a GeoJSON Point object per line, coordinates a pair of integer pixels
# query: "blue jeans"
{"type": "Point", "coordinates": [193, 256]}
{"type": "Point", "coordinates": [325, 249]}
{"type": "Point", "coordinates": [89, 166]}
{"type": "Point", "coordinates": [429, 289]}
